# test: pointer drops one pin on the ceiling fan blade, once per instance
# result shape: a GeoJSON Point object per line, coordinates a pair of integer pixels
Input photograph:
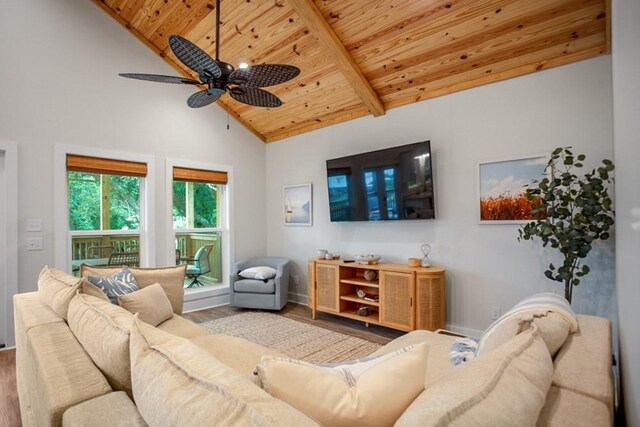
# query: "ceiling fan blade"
{"type": "Point", "coordinates": [194, 57]}
{"type": "Point", "coordinates": [254, 96]}
{"type": "Point", "coordinates": [264, 75]}
{"type": "Point", "coordinates": [160, 79]}
{"type": "Point", "coordinates": [204, 97]}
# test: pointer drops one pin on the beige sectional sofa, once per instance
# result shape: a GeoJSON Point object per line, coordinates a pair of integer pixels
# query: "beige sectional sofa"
{"type": "Point", "coordinates": [59, 383]}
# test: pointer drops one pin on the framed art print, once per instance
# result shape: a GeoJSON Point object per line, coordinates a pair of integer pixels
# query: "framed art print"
{"type": "Point", "coordinates": [298, 209]}
{"type": "Point", "coordinates": [501, 188]}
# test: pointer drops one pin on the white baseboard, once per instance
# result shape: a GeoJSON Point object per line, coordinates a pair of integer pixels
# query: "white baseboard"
{"type": "Point", "coordinates": [298, 298]}
{"type": "Point", "coordinates": [209, 301]}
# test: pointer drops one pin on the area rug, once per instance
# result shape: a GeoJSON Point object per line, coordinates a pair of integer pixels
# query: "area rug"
{"type": "Point", "coordinates": [295, 339]}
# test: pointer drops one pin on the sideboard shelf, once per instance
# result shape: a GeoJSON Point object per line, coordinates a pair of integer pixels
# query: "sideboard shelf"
{"type": "Point", "coordinates": [409, 297]}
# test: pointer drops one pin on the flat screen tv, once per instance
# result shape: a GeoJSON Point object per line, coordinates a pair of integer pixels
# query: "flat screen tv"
{"type": "Point", "coordinates": [391, 184]}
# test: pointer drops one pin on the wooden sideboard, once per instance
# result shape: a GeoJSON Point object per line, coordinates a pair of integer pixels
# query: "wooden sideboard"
{"type": "Point", "coordinates": [409, 298]}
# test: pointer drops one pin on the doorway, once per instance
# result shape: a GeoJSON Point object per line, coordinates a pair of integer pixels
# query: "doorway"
{"type": "Point", "coordinates": [8, 239]}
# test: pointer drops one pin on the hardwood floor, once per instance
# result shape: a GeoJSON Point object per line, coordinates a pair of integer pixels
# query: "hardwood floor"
{"type": "Point", "coordinates": [302, 313]}
{"type": "Point", "coordinates": [9, 408]}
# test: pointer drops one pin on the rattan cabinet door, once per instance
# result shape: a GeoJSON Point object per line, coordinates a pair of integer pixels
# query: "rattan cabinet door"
{"type": "Point", "coordinates": [430, 301]}
{"type": "Point", "coordinates": [397, 294]}
{"type": "Point", "coordinates": [327, 288]}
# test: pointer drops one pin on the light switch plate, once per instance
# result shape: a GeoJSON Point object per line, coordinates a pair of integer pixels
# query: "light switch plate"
{"type": "Point", "coordinates": [34, 224]}
{"type": "Point", "coordinates": [34, 243]}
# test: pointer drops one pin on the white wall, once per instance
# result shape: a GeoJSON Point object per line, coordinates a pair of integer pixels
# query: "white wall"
{"type": "Point", "coordinates": [486, 266]}
{"type": "Point", "coordinates": [626, 120]}
{"type": "Point", "coordinates": [59, 84]}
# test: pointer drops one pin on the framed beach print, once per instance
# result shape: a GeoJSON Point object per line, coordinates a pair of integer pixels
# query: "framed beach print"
{"type": "Point", "coordinates": [501, 188]}
{"type": "Point", "coordinates": [298, 209]}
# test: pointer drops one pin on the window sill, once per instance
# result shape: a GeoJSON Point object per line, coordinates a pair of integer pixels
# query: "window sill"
{"type": "Point", "coordinates": [193, 294]}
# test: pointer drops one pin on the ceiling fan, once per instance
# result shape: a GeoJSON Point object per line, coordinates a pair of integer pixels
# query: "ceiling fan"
{"type": "Point", "coordinates": [220, 77]}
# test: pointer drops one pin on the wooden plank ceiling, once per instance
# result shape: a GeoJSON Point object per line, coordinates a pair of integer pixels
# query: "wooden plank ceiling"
{"type": "Point", "coordinates": [360, 57]}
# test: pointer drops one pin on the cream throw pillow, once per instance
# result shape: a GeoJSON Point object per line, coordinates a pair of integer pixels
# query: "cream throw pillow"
{"type": "Point", "coordinates": [103, 330]}
{"type": "Point", "coordinates": [505, 387]}
{"type": "Point", "coordinates": [151, 304]}
{"type": "Point", "coordinates": [371, 392]}
{"type": "Point", "coordinates": [57, 288]}
{"type": "Point", "coordinates": [176, 383]}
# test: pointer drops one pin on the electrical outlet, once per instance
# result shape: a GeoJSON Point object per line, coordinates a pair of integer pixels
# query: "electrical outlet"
{"type": "Point", "coordinates": [495, 312]}
{"type": "Point", "coordinates": [34, 224]}
{"type": "Point", "coordinates": [34, 244]}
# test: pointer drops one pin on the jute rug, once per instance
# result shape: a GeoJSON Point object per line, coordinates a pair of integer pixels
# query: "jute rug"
{"type": "Point", "coordinates": [295, 339]}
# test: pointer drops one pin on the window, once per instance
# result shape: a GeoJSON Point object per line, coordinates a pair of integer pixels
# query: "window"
{"type": "Point", "coordinates": [104, 210]}
{"type": "Point", "coordinates": [199, 223]}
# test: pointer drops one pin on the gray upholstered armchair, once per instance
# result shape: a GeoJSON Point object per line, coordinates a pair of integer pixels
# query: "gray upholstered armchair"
{"type": "Point", "coordinates": [270, 295]}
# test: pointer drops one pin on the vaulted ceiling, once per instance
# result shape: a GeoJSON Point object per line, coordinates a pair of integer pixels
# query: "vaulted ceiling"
{"type": "Point", "coordinates": [360, 57]}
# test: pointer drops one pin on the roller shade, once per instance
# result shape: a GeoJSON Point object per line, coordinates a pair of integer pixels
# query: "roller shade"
{"type": "Point", "coordinates": [199, 175]}
{"type": "Point", "coordinates": [99, 165]}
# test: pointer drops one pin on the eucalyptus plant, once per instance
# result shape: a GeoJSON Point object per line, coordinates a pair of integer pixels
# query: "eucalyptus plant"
{"type": "Point", "coordinates": [573, 213]}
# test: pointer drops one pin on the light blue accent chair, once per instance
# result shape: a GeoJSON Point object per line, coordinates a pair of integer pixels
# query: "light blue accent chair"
{"type": "Point", "coordinates": [249, 293]}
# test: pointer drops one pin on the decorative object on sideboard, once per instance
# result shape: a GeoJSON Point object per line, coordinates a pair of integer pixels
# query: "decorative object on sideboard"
{"type": "Point", "coordinates": [298, 204]}
{"type": "Point", "coordinates": [367, 259]}
{"type": "Point", "coordinates": [426, 250]}
{"type": "Point", "coordinates": [361, 293]}
{"type": "Point", "coordinates": [370, 275]}
{"type": "Point", "coordinates": [414, 262]}
{"type": "Point", "coordinates": [328, 255]}
{"type": "Point", "coordinates": [501, 189]}
{"type": "Point", "coordinates": [576, 212]}
{"type": "Point", "coordinates": [363, 311]}
{"type": "Point", "coordinates": [322, 253]}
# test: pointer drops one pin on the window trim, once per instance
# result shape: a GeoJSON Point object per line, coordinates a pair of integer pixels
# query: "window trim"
{"type": "Point", "coordinates": [62, 235]}
{"type": "Point", "coordinates": [10, 232]}
{"type": "Point", "coordinates": [226, 222]}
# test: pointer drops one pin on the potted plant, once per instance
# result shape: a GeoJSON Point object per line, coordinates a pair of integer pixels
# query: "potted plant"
{"type": "Point", "coordinates": [573, 212]}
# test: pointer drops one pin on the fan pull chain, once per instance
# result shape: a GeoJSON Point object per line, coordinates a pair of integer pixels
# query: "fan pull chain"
{"type": "Point", "coordinates": [227, 120]}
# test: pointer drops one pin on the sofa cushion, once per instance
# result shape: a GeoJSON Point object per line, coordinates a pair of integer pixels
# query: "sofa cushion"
{"type": "Point", "coordinates": [57, 288]}
{"type": "Point", "coordinates": [372, 391]}
{"type": "Point", "coordinates": [238, 353]}
{"type": "Point", "coordinates": [151, 304]}
{"type": "Point", "coordinates": [113, 409]}
{"type": "Point", "coordinates": [506, 386]}
{"type": "Point", "coordinates": [439, 347]}
{"type": "Point", "coordinates": [252, 286]}
{"type": "Point", "coordinates": [120, 283]}
{"type": "Point", "coordinates": [89, 288]}
{"type": "Point", "coordinates": [166, 368]}
{"type": "Point", "coordinates": [170, 278]}
{"type": "Point", "coordinates": [569, 408]}
{"type": "Point", "coordinates": [103, 330]}
{"type": "Point", "coordinates": [182, 327]}
{"type": "Point", "coordinates": [54, 373]}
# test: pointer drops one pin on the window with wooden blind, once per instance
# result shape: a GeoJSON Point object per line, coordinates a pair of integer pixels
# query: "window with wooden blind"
{"type": "Point", "coordinates": [198, 214]}
{"type": "Point", "coordinates": [104, 209]}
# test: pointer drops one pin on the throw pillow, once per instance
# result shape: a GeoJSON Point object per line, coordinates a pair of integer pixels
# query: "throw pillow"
{"type": "Point", "coordinates": [507, 386]}
{"type": "Point", "coordinates": [170, 278]}
{"type": "Point", "coordinates": [103, 330]}
{"type": "Point", "coordinates": [151, 304]}
{"type": "Point", "coordinates": [373, 391]}
{"type": "Point", "coordinates": [169, 373]}
{"type": "Point", "coordinates": [258, 273]}
{"type": "Point", "coordinates": [534, 309]}
{"type": "Point", "coordinates": [120, 283]}
{"type": "Point", "coordinates": [56, 289]}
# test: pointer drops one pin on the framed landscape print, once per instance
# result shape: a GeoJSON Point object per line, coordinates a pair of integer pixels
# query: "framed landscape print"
{"type": "Point", "coordinates": [501, 188]}
{"type": "Point", "coordinates": [298, 209]}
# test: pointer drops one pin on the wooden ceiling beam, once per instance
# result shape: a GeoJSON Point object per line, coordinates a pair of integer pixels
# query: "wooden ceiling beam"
{"type": "Point", "coordinates": [320, 28]}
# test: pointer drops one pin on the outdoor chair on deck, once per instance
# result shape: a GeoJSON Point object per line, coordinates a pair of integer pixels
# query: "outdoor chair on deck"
{"type": "Point", "coordinates": [200, 266]}
{"type": "Point", "coordinates": [129, 259]}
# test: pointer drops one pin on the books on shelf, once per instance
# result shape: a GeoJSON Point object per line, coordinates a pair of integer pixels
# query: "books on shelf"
{"type": "Point", "coordinates": [372, 297]}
